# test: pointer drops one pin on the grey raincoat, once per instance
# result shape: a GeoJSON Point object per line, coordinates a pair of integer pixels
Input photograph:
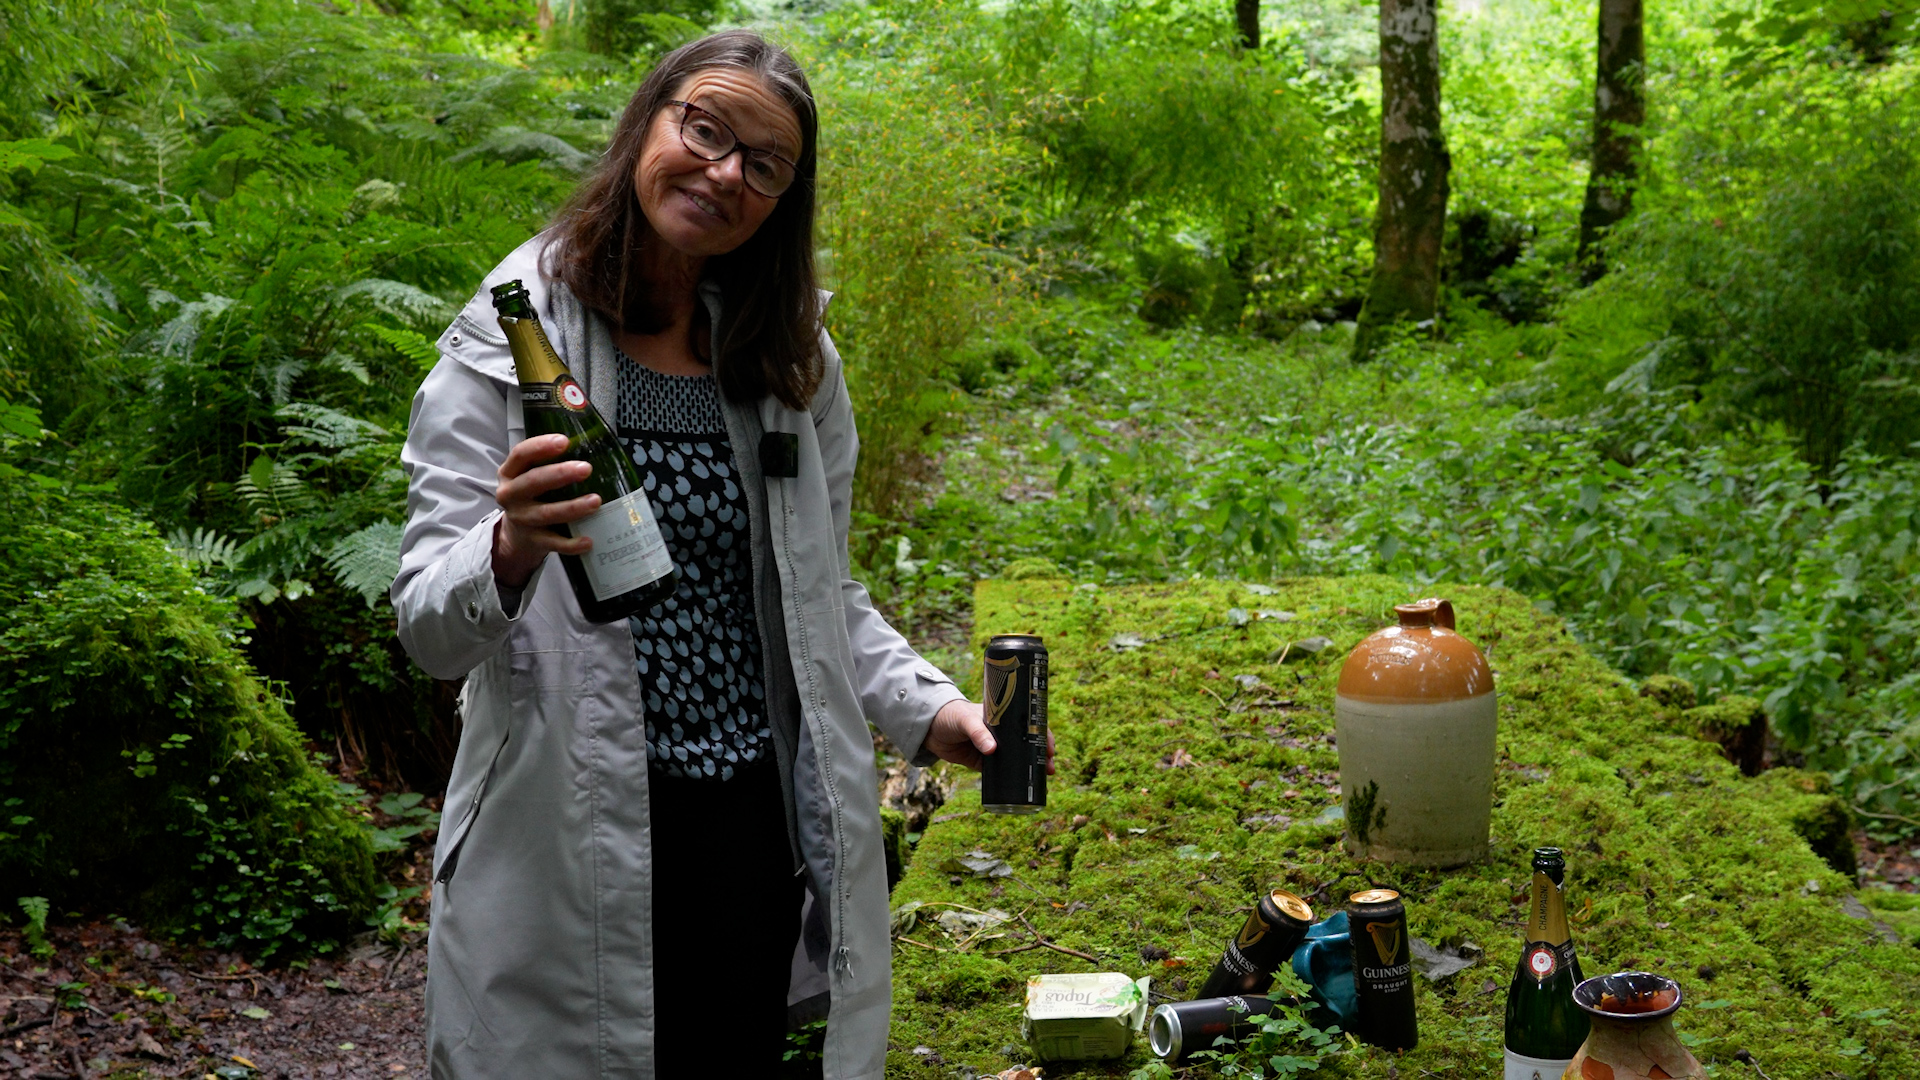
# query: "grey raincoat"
{"type": "Point", "coordinates": [540, 955]}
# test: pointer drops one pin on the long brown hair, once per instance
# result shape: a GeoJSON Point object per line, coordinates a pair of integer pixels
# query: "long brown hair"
{"type": "Point", "coordinates": [769, 340]}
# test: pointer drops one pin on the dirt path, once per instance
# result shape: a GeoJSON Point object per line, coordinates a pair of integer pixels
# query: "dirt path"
{"type": "Point", "coordinates": [110, 1003]}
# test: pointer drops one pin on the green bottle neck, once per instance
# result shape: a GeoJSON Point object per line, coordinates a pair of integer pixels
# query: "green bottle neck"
{"type": "Point", "coordinates": [534, 360]}
{"type": "Point", "coordinates": [1547, 916]}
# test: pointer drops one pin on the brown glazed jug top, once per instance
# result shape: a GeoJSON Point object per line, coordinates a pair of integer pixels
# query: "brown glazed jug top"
{"type": "Point", "coordinates": [1420, 661]}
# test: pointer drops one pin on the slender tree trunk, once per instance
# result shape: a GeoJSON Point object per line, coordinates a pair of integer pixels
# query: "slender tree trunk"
{"type": "Point", "coordinates": [1247, 13]}
{"type": "Point", "coordinates": [1619, 108]}
{"type": "Point", "coordinates": [1412, 214]}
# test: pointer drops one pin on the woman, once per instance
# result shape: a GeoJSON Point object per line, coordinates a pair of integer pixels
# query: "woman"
{"type": "Point", "coordinates": [661, 838]}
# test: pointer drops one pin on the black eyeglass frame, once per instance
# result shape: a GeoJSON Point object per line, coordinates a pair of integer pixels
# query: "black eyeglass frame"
{"type": "Point", "coordinates": [688, 108]}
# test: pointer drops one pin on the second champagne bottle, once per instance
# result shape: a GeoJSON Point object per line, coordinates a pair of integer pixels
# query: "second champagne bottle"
{"type": "Point", "coordinates": [1544, 1027]}
{"type": "Point", "coordinates": [629, 569]}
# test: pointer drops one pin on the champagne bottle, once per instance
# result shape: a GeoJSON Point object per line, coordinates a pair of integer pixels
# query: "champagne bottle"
{"type": "Point", "coordinates": [629, 569]}
{"type": "Point", "coordinates": [1544, 1027]}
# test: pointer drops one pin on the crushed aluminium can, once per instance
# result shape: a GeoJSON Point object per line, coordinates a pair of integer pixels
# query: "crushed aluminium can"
{"type": "Point", "coordinates": [1181, 1028]}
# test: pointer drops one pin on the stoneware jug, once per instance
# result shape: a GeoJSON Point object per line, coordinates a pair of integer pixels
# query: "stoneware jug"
{"type": "Point", "coordinates": [1414, 722]}
{"type": "Point", "coordinates": [1632, 1037]}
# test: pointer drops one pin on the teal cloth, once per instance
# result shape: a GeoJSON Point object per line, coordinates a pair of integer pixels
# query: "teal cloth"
{"type": "Point", "coordinates": [1324, 961]}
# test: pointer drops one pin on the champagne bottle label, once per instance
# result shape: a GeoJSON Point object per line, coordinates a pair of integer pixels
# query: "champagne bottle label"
{"type": "Point", "coordinates": [1543, 960]}
{"type": "Point", "coordinates": [1522, 1067]}
{"type": "Point", "coordinates": [562, 393]}
{"type": "Point", "coordinates": [628, 550]}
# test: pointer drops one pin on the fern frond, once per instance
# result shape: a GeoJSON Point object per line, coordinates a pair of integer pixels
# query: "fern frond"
{"type": "Point", "coordinates": [514, 145]}
{"type": "Point", "coordinates": [345, 364]}
{"type": "Point", "coordinates": [367, 561]}
{"type": "Point", "coordinates": [178, 335]}
{"type": "Point", "coordinates": [274, 490]}
{"type": "Point", "coordinates": [326, 428]}
{"type": "Point", "coordinates": [204, 547]}
{"type": "Point", "coordinates": [282, 375]}
{"type": "Point", "coordinates": [416, 347]}
{"type": "Point", "coordinates": [396, 298]}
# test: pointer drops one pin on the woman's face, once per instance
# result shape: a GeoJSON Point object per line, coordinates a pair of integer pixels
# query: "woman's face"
{"type": "Point", "coordinates": [704, 208]}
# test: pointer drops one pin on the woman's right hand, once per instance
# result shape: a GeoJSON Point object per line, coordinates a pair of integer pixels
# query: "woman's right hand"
{"type": "Point", "coordinates": [524, 534]}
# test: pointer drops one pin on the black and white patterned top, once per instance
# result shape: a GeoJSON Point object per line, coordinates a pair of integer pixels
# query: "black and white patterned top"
{"type": "Point", "coordinates": [698, 651]}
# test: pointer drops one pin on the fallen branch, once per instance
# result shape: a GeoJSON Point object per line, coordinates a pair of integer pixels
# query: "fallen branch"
{"type": "Point", "coordinates": [1887, 817]}
{"type": "Point", "coordinates": [18, 974]}
{"type": "Point", "coordinates": [1747, 1058]}
{"type": "Point", "coordinates": [1041, 940]}
{"type": "Point", "coordinates": [922, 944]}
{"type": "Point", "coordinates": [29, 1025]}
{"type": "Point", "coordinates": [394, 968]}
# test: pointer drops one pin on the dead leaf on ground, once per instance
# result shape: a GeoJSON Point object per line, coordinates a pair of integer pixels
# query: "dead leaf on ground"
{"type": "Point", "coordinates": [979, 864]}
{"type": "Point", "coordinates": [969, 923]}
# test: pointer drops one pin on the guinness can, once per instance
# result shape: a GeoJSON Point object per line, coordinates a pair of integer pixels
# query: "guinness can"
{"type": "Point", "coordinates": [1382, 969]}
{"type": "Point", "coordinates": [1275, 927]}
{"type": "Point", "coordinates": [1013, 779]}
{"type": "Point", "coordinates": [1181, 1028]}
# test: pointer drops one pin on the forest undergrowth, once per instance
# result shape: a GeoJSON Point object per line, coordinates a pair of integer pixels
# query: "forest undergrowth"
{"type": "Point", "coordinates": [1085, 318]}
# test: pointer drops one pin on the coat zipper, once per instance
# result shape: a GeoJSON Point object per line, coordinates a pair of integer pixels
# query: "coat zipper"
{"type": "Point", "coordinates": [844, 955]}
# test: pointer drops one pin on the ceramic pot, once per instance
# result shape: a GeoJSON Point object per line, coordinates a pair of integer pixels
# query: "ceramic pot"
{"type": "Point", "coordinates": [1414, 721]}
{"type": "Point", "coordinates": [1632, 1036]}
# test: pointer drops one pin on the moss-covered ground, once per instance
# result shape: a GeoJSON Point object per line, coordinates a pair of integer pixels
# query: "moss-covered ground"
{"type": "Point", "coordinates": [1182, 793]}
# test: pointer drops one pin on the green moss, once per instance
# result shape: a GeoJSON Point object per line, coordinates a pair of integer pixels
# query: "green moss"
{"type": "Point", "coordinates": [1669, 692]}
{"type": "Point", "coordinates": [893, 835]}
{"type": "Point", "coordinates": [1806, 801]}
{"type": "Point", "coordinates": [1032, 569]}
{"type": "Point", "coordinates": [143, 767]}
{"type": "Point", "coordinates": [1182, 794]}
{"type": "Point", "coordinates": [1897, 910]}
{"type": "Point", "coordinates": [1738, 725]}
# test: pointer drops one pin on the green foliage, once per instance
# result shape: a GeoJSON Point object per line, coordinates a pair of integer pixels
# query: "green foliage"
{"type": "Point", "coordinates": [35, 909]}
{"type": "Point", "coordinates": [645, 27]}
{"type": "Point", "coordinates": [1730, 564]}
{"type": "Point", "coordinates": [911, 178]}
{"type": "Point", "coordinates": [1676, 863]}
{"type": "Point", "coordinates": [1789, 291]}
{"type": "Point", "coordinates": [164, 779]}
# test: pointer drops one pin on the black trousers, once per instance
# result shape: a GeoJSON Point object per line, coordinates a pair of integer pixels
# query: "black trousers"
{"type": "Point", "coordinates": [726, 917]}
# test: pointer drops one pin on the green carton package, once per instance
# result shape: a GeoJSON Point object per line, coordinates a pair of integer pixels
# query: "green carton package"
{"type": "Point", "coordinates": [1083, 1017]}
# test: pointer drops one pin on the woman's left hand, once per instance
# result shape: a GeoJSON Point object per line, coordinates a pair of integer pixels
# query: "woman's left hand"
{"type": "Point", "coordinates": [959, 734]}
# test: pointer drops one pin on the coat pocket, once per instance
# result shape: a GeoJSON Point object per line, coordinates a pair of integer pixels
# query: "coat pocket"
{"type": "Point", "coordinates": [461, 831]}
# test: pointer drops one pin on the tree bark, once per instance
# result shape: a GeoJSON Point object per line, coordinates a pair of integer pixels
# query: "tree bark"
{"type": "Point", "coordinates": [1619, 108]}
{"type": "Point", "coordinates": [1247, 13]}
{"type": "Point", "coordinates": [1411, 217]}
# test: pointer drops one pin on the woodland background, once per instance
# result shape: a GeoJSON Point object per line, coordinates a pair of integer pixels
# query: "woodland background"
{"type": "Point", "coordinates": [1103, 271]}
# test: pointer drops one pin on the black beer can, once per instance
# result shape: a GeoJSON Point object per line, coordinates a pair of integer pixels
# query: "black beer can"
{"type": "Point", "coordinates": [1382, 969]}
{"type": "Point", "coordinates": [1013, 779]}
{"type": "Point", "coordinates": [1181, 1028]}
{"type": "Point", "coordinates": [1275, 927]}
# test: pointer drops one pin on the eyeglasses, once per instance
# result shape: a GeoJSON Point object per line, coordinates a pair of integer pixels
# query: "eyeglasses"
{"type": "Point", "coordinates": [708, 138]}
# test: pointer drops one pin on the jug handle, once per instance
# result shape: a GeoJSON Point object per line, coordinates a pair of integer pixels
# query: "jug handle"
{"type": "Point", "coordinates": [1442, 612]}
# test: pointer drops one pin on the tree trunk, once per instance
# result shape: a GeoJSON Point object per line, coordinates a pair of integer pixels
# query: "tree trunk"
{"type": "Point", "coordinates": [1247, 13]}
{"type": "Point", "coordinates": [1412, 214]}
{"type": "Point", "coordinates": [1619, 108]}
